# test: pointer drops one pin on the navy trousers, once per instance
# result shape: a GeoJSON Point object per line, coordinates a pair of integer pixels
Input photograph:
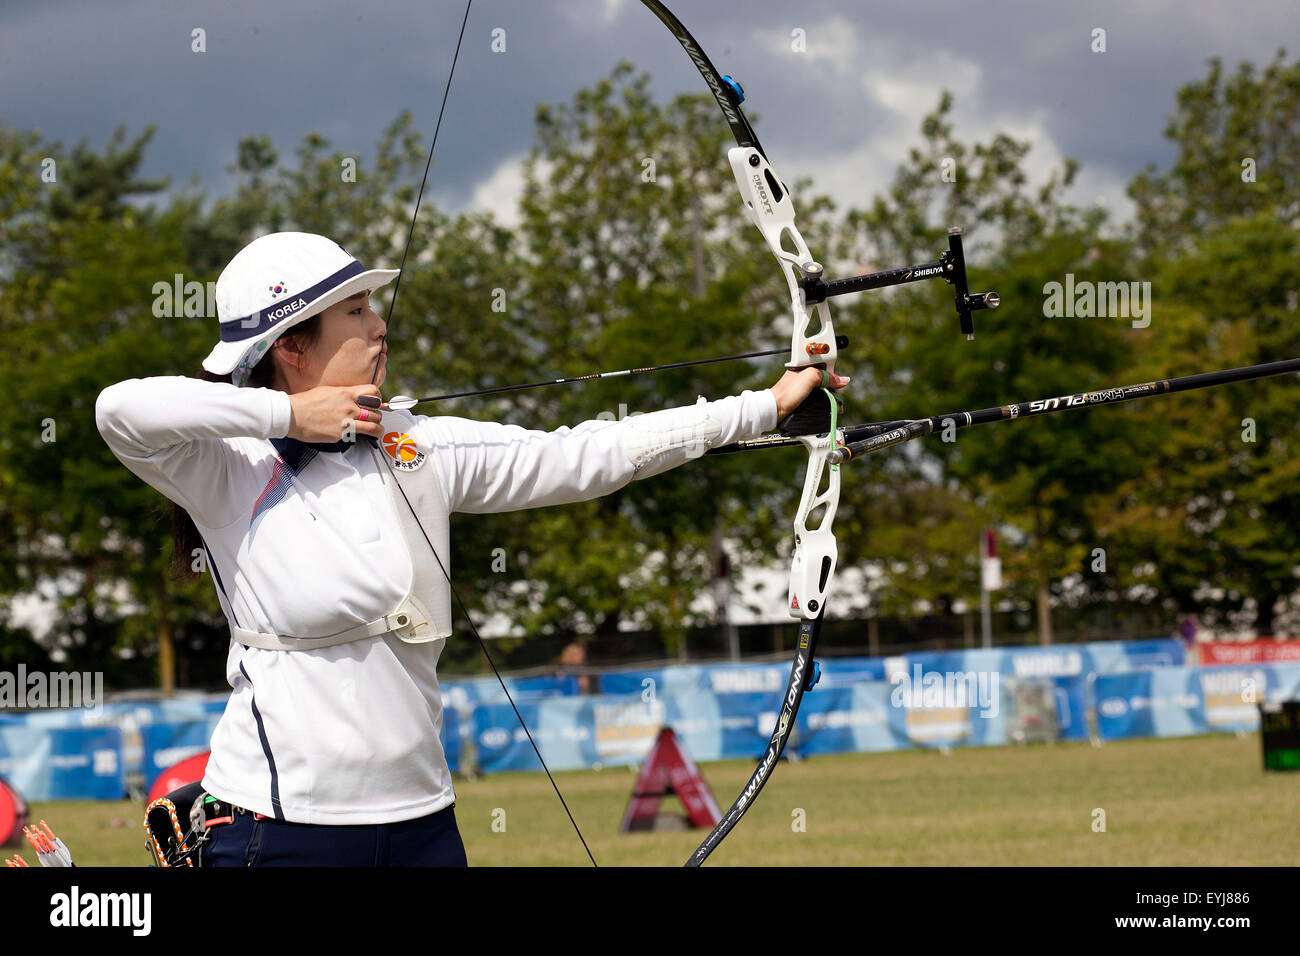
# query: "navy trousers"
{"type": "Point", "coordinates": [249, 841]}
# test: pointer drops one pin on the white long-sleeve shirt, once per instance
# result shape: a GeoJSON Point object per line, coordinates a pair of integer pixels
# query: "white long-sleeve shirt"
{"type": "Point", "coordinates": [345, 734]}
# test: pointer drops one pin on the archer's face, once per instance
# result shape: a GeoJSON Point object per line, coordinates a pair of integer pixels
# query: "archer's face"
{"type": "Point", "coordinates": [351, 340]}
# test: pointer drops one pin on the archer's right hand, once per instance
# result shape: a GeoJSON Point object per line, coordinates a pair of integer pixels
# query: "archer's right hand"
{"type": "Point", "coordinates": [322, 414]}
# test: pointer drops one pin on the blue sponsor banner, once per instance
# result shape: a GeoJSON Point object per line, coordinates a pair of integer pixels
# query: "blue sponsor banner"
{"type": "Point", "coordinates": [128, 714]}
{"type": "Point", "coordinates": [611, 730]}
{"type": "Point", "coordinates": [735, 677]}
{"type": "Point", "coordinates": [721, 711]}
{"type": "Point", "coordinates": [1060, 660]}
{"type": "Point", "coordinates": [503, 745]}
{"type": "Point", "coordinates": [83, 763]}
{"type": "Point", "coordinates": [1067, 666]}
{"type": "Point", "coordinates": [450, 738]}
{"type": "Point", "coordinates": [1137, 655]}
{"type": "Point", "coordinates": [1071, 695]}
{"type": "Point", "coordinates": [837, 671]}
{"type": "Point", "coordinates": [466, 695]}
{"type": "Point", "coordinates": [1123, 706]}
{"type": "Point", "coordinates": [843, 719]}
{"type": "Point", "coordinates": [638, 681]}
{"type": "Point", "coordinates": [62, 717]}
{"type": "Point", "coordinates": [729, 678]}
{"type": "Point", "coordinates": [948, 708]}
{"type": "Point", "coordinates": [1180, 701]}
{"type": "Point", "coordinates": [727, 711]}
{"type": "Point", "coordinates": [87, 764]}
{"type": "Point", "coordinates": [746, 722]}
{"type": "Point", "coordinates": [165, 744]}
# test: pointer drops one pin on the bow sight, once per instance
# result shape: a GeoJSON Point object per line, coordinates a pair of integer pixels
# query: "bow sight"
{"type": "Point", "coordinates": [951, 267]}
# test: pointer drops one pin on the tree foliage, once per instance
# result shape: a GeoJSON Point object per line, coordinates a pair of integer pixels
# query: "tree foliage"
{"type": "Point", "coordinates": [631, 249]}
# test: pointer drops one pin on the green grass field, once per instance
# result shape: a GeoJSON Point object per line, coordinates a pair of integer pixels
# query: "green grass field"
{"type": "Point", "coordinates": [1197, 801]}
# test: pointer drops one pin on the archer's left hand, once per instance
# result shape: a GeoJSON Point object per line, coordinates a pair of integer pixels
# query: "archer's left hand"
{"type": "Point", "coordinates": [795, 386]}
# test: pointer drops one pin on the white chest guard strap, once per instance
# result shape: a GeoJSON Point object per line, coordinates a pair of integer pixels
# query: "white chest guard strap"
{"type": "Point", "coordinates": [425, 613]}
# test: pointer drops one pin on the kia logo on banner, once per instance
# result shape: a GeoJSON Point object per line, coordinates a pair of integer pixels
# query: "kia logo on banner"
{"type": "Point", "coordinates": [1113, 707]}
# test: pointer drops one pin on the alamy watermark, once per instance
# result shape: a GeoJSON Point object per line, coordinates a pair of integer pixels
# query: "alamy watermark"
{"type": "Point", "coordinates": [28, 690]}
{"type": "Point", "coordinates": [181, 299]}
{"type": "Point", "coordinates": [1109, 300]}
{"type": "Point", "coordinates": [952, 689]}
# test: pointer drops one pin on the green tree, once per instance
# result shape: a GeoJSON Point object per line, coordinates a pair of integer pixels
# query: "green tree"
{"type": "Point", "coordinates": [1214, 529]}
{"type": "Point", "coordinates": [1031, 478]}
{"type": "Point", "coordinates": [631, 258]}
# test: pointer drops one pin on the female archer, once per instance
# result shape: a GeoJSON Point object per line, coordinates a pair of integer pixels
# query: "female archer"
{"type": "Point", "coordinates": [317, 515]}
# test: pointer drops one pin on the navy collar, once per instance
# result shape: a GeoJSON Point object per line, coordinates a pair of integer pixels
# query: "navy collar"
{"type": "Point", "coordinates": [291, 450]}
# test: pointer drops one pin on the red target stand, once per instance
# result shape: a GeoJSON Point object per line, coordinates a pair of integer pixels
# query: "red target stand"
{"type": "Point", "coordinates": [669, 769]}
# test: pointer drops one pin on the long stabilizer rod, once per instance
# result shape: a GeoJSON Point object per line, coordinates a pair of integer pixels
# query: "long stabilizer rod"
{"type": "Point", "coordinates": [863, 439]}
{"type": "Point", "coordinates": [901, 432]}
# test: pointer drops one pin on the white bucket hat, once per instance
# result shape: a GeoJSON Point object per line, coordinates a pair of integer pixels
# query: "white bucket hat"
{"type": "Point", "coordinates": [274, 283]}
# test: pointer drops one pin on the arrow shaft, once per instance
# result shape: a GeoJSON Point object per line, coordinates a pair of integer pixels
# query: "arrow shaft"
{"type": "Point", "coordinates": [842, 342]}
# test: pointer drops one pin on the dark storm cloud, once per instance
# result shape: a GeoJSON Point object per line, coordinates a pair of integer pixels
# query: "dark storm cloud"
{"type": "Point", "coordinates": [78, 69]}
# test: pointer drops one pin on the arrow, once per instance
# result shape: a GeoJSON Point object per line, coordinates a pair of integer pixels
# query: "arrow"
{"type": "Point", "coordinates": [400, 402]}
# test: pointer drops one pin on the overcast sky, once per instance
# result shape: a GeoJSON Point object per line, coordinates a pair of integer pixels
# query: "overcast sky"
{"type": "Point", "coordinates": [842, 112]}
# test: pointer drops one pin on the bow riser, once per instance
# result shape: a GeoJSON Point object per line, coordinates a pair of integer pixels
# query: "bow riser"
{"type": "Point", "coordinates": [815, 550]}
{"type": "Point", "coordinates": [768, 204]}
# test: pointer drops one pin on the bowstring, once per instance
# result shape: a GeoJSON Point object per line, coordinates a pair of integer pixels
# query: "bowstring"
{"type": "Point", "coordinates": [432, 550]}
{"type": "Point", "coordinates": [428, 164]}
